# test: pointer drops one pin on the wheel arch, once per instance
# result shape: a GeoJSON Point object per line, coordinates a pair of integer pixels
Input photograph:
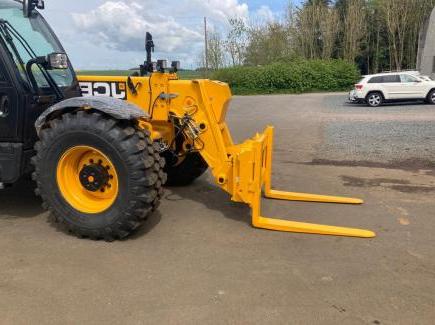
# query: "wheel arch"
{"type": "Point", "coordinates": [428, 93]}
{"type": "Point", "coordinates": [113, 107]}
{"type": "Point", "coordinates": [376, 91]}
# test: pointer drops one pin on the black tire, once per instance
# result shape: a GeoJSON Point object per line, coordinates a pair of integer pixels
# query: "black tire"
{"type": "Point", "coordinates": [375, 99]}
{"type": "Point", "coordinates": [185, 173]}
{"type": "Point", "coordinates": [431, 97]}
{"type": "Point", "coordinates": [138, 167]}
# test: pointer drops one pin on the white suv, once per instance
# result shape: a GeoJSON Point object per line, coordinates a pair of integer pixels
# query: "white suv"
{"type": "Point", "coordinates": [398, 86]}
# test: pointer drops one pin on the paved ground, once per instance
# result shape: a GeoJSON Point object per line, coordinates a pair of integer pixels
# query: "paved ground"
{"type": "Point", "coordinates": [199, 261]}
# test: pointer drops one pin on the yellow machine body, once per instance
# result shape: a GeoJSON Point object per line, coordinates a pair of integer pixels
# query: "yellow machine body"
{"type": "Point", "coordinates": [243, 170]}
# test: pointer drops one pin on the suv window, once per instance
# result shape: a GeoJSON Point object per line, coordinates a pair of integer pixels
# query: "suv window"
{"type": "Point", "coordinates": [376, 80]}
{"type": "Point", "coordinates": [392, 79]}
{"type": "Point", "coordinates": [408, 78]}
{"type": "Point", "coordinates": [385, 79]}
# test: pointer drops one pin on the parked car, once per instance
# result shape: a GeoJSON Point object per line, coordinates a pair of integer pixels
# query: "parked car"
{"type": "Point", "coordinates": [374, 90]}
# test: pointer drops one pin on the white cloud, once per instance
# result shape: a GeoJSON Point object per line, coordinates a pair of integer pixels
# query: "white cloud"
{"type": "Point", "coordinates": [122, 25]}
{"type": "Point", "coordinates": [222, 9]}
{"type": "Point", "coordinates": [264, 13]}
{"type": "Point", "coordinates": [119, 26]}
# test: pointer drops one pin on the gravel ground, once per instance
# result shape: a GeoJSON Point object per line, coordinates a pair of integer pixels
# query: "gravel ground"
{"type": "Point", "coordinates": [388, 134]}
{"type": "Point", "coordinates": [199, 261]}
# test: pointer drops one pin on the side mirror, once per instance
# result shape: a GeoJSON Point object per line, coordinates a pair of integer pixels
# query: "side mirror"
{"type": "Point", "coordinates": [53, 61]}
{"type": "Point", "coordinates": [57, 61]}
{"type": "Point", "coordinates": [30, 5]}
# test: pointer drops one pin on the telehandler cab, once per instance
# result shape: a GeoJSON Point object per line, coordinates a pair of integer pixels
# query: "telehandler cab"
{"type": "Point", "coordinates": [101, 148]}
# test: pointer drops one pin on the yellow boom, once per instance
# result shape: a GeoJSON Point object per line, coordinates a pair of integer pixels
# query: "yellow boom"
{"type": "Point", "coordinates": [243, 170]}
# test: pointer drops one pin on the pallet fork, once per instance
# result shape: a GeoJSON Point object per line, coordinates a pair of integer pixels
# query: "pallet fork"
{"type": "Point", "coordinates": [262, 148]}
{"type": "Point", "coordinates": [245, 170]}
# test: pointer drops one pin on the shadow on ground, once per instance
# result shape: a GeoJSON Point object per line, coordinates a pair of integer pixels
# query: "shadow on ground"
{"type": "Point", "coordinates": [387, 104]}
{"type": "Point", "coordinates": [213, 198]}
{"type": "Point", "coordinates": [20, 201]}
{"type": "Point", "coordinates": [342, 102]}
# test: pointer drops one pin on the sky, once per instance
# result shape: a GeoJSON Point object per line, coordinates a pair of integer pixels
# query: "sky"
{"type": "Point", "coordinates": [109, 34]}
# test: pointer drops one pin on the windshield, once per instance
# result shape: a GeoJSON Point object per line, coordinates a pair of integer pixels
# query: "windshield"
{"type": "Point", "coordinates": [40, 38]}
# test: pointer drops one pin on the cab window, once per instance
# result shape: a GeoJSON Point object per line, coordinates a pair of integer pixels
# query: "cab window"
{"type": "Point", "coordinates": [41, 40]}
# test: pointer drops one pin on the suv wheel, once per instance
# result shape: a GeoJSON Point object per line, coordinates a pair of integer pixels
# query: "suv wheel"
{"type": "Point", "coordinates": [431, 97]}
{"type": "Point", "coordinates": [374, 99]}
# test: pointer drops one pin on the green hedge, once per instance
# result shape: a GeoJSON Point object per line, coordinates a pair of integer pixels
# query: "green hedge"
{"type": "Point", "coordinates": [292, 77]}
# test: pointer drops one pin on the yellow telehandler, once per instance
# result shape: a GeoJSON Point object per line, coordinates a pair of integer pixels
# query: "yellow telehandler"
{"type": "Point", "coordinates": [186, 121]}
{"type": "Point", "coordinates": [100, 148]}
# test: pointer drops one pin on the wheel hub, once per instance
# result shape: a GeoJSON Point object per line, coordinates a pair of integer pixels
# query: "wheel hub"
{"type": "Point", "coordinates": [94, 177]}
{"type": "Point", "coordinates": [87, 179]}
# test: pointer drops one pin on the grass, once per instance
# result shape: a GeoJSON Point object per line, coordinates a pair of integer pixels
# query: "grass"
{"type": "Point", "coordinates": [104, 72]}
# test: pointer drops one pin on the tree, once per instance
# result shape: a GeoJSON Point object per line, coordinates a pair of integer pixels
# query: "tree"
{"type": "Point", "coordinates": [316, 29]}
{"type": "Point", "coordinates": [307, 30]}
{"type": "Point", "coordinates": [268, 43]}
{"type": "Point", "coordinates": [377, 35]}
{"type": "Point", "coordinates": [354, 29]}
{"type": "Point", "coordinates": [216, 54]}
{"type": "Point", "coordinates": [236, 41]}
{"type": "Point", "coordinates": [329, 27]}
{"type": "Point", "coordinates": [397, 16]}
{"type": "Point", "coordinates": [374, 52]}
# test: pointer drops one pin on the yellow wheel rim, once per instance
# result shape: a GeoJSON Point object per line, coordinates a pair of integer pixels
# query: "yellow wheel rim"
{"type": "Point", "coordinates": [87, 179]}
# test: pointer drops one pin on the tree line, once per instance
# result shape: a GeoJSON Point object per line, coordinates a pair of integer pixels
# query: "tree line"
{"type": "Point", "coordinates": [377, 35]}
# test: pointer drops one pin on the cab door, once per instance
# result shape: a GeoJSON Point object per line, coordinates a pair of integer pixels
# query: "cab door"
{"type": "Point", "coordinates": [9, 107]}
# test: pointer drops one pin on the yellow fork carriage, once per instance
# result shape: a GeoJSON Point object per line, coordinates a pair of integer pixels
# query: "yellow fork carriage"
{"type": "Point", "coordinates": [198, 109]}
